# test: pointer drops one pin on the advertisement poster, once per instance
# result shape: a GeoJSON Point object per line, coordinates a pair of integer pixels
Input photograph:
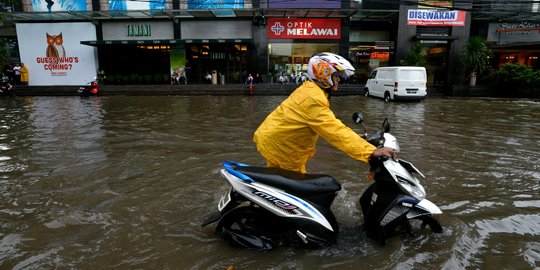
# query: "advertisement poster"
{"type": "Point", "coordinates": [215, 4]}
{"type": "Point", "coordinates": [304, 28]}
{"type": "Point", "coordinates": [54, 55]}
{"type": "Point", "coordinates": [58, 5]}
{"type": "Point", "coordinates": [330, 4]}
{"type": "Point", "coordinates": [425, 17]}
{"type": "Point", "coordinates": [136, 5]}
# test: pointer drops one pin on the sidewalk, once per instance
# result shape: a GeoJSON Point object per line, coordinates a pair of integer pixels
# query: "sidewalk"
{"type": "Point", "coordinates": [190, 90]}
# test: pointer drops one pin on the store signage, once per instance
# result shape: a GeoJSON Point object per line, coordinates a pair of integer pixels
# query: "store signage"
{"type": "Point", "coordinates": [138, 30]}
{"type": "Point", "coordinates": [526, 31]}
{"type": "Point", "coordinates": [424, 17]}
{"type": "Point", "coordinates": [304, 28]}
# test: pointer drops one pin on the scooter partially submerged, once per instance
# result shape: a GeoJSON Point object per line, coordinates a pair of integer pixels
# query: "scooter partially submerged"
{"type": "Point", "coordinates": [396, 196]}
{"type": "Point", "coordinates": [92, 89]}
{"type": "Point", "coordinates": [6, 89]}
{"type": "Point", "coordinates": [265, 207]}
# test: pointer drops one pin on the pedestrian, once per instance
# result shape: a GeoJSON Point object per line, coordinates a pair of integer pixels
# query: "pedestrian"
{"type": "Point", "coordinates": [9, 73]}
{"type": "Point", "coordinates": [282, 79]}
{"type": "Point", "coordinates": [17, 74]}
{"type": "Point", "coordinates": [249, 83]}
{"type": "Point", "coordinates": [288, 136]}
{"type": "Point", "coordinates": [24, 74]}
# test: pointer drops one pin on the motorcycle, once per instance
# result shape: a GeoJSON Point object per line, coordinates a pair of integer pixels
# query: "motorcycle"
{"type": "Point", "coordinates": [396, 197]}
{"type": "Point", "coordinates": [6, 89]}
{"type": "Point", "coordinates": [264, 207]}
{"type": "Point", "coordinates": [92, 89]}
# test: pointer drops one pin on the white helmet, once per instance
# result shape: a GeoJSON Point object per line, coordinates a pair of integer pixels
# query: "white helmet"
{"type": "Point", "coordinates": [323, 65]}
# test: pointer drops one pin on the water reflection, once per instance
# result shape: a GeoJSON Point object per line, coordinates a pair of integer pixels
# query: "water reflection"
{"type": "Point", "coordinates": [124, 182]}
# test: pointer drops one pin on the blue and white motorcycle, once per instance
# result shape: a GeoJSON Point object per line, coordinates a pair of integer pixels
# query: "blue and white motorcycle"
{"type": "Point", "coordinates": [265, 207]}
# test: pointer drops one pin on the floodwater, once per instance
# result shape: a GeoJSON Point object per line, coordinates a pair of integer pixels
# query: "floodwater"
{"type": "Point", "coordinates": [124, 182]}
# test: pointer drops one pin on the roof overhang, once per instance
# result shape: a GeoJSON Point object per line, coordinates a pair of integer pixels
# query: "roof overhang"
{"type": "Point", "coordinates": [95, 16]}
{"type": "Point", "coordinates": [159, 42]}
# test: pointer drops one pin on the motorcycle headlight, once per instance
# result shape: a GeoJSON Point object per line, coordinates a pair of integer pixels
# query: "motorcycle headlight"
{"type": "Point", "coordinates": [411, 188]}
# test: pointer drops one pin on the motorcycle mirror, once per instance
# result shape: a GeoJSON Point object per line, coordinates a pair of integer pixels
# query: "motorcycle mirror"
{"type": "Point", "coordinates": [357, 118]}
{"type": "Point", "coordinates": [386, 125]}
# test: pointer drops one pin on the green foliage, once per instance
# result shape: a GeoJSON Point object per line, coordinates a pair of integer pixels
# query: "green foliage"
{"type": "Point", "coordinates": [518, 80]}
{"type": "Point", "coordinates": [475, 57]}
{"type": "Point", "coordinates": [4, 59]}
{"type": "Point", "coordinates": [518, 75]}
{"type": "Point", "coordinates": [417, 56]}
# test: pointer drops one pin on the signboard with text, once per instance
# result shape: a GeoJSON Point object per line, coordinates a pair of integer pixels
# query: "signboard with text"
{"type": "Point", "coordinates": [424, 17]}
{"type": "Point", "coordinates": [304, 28]}
{"type": "Point", "coordinates": [54, 54]}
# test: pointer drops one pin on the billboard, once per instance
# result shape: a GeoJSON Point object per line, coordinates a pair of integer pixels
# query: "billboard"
{"type": "Point", "coordinates": [58, 5]}
{"type": "Point", "coordinates": [424, 17]}
{"type": "Point", "coordinates": [215, 4]}
{"type": "Point", "coordinates": [305, 4]}
{"type": "Point", "coordinates": [136, 5]}
{"type": "Point", "coordinates": [304, 28]}
{"type": "Point", "coordinates": [54, 55]}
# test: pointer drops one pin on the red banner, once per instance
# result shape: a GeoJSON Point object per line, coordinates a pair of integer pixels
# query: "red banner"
{"type": "Point", "coordinates": [304, 28]}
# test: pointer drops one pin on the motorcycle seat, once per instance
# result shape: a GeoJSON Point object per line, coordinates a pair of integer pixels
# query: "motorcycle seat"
{"type": "Point", "coordinates": [291, 181]}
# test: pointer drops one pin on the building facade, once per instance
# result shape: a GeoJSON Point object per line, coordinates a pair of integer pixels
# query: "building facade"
{"type": "Point", "coordinates": [139, 42]}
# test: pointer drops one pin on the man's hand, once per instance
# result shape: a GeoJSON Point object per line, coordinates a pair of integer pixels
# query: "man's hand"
{"type": "Point", "coordinates": [383, 152]}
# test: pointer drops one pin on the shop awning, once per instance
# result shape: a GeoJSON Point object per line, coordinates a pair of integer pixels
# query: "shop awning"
{"type": "Point", "coordinates": [157, 42]}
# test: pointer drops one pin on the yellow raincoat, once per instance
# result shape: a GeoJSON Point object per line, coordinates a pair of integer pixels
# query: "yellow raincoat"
{"type": "Point", "coordinates": [287, 138]}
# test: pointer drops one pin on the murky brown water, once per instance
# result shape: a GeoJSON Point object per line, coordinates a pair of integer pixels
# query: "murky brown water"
{"type": "Point", "coordinates": [124, 183]}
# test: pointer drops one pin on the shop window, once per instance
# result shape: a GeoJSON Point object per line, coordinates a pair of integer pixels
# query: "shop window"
{"type": "Point", "coordinates": [291, 59]}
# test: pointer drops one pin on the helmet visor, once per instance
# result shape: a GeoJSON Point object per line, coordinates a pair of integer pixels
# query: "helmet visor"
{"type": "Point", "coordinates": [344, 74]}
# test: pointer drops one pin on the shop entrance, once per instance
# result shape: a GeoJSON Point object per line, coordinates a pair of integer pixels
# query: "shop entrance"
{"type": "Point", "coordinates": [228, 60]}
{"type": "Point", "coordinates": [129, 64]}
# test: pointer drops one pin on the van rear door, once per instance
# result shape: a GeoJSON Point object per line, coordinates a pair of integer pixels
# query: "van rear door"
{"type": "Point", "coordinates": [412, 82]}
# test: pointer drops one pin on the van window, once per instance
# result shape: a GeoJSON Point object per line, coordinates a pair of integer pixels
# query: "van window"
{"type": "Point", "coordinates": [373, 74]}
{"type": "Point", "coordinates": [412, 75]}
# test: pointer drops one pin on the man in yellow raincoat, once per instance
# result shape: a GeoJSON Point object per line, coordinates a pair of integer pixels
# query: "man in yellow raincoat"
{"type": "Point", "coordinates": [287, 137]}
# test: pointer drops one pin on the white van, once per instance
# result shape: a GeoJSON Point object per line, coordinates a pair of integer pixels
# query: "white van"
{"type": "Point", "coordinates": [397, 83]}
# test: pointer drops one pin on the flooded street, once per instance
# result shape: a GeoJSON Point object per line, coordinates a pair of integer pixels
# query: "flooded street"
{"type": "Point", "coordinates": [124, 182]}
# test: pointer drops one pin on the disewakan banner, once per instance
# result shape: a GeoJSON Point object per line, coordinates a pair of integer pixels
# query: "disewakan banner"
{"type": "Point", "coordinates": [424, 17]}
{"type": "Point", "coordinates": [54, 55]}
{"type": "Point", "coordinates": [279, 28]}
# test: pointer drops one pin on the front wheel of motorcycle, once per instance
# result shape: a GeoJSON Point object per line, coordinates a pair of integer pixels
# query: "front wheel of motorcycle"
{"type": "Point", "coordinates": [250, 227]}
{"type": "Point", "coordinates": [430, 221]}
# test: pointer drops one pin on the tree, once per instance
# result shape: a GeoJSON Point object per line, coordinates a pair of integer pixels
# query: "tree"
{"type": "Point", "coordinates": [475, 58]}
{"type": "Point", "coordinates": [417, 56]}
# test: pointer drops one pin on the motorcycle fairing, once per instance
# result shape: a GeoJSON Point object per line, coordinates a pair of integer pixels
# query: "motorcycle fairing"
{"type": "Point", "coordinates": [402, 174]}
{"type": "Point", "coordinates": [276, 201]}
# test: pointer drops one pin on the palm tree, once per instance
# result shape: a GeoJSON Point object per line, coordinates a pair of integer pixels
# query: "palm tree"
{"type": "Point", "coordinates": [475, 58]}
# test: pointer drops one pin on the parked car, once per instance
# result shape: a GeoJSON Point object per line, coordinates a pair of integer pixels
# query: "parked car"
{"type": "Point", "coordinates": [397, 83]}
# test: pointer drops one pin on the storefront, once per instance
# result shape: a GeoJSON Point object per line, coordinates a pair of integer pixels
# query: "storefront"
{"type": "Point", "coordinates": [291, 42]}
{"type": "Point", "coordinates": [369, 49]}
{"type": "Point", "coordinates": [515, 43]}
{"type": "Point", "coordinates": [135, 52]}
{"type": "Point", "coordinates": [217, 47]}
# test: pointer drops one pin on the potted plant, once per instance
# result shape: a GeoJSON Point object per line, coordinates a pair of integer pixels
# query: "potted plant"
{"type": "Point", "coordinates": [417, 56]}
{"type": "Point", "coordinates": [475, 58]}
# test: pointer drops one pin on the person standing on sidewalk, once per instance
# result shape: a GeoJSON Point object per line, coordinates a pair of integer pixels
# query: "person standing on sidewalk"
{"type": "Point", "coordinates": [24, 74]}
{"type": "Point", "coordinates": [17, 74]}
